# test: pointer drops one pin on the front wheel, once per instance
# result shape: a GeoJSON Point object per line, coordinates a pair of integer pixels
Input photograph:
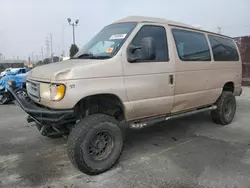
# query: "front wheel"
{"type": "Point", "coordinates": [226, 108]}
{"type": "Point", "coordinates": [95, 144]}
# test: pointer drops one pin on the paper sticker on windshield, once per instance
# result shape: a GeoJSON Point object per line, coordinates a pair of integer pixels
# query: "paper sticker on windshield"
{"type": "Point", "coordinates": [118, 36]}
{"type": "Point", "coordinates": [109, 50]}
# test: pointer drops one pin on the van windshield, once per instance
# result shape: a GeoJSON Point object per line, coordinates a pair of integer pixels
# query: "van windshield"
{"type": "Point", "coordinates": [107, 42]}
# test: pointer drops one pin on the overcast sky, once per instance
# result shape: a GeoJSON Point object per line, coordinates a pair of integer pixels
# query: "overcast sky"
{"type": "Point", "coordinates": [26, 23]}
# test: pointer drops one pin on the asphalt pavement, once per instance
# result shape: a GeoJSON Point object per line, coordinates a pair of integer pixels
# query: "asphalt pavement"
{"type": "Point", "coordinates": [190, 152]}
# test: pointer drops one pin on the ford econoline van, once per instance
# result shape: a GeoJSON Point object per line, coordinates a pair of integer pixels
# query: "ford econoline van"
{"type": "Point", "coordinates": [132, 74]}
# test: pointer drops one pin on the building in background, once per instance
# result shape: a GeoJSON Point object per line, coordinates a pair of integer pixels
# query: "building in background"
{"type": "Point", "coordinates": [28, 64]}
{"type": "Point", "coordinates": [4, 64]}
{"type": "Point", "coordinates": [244, 47]}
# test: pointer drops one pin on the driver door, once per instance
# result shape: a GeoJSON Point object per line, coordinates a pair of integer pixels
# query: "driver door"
{"type": "Point", "coordinates": [149, 83]}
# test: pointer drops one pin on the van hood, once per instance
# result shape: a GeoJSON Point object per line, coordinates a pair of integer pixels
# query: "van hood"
{"type": "Point", "coordinates": [75, 69]}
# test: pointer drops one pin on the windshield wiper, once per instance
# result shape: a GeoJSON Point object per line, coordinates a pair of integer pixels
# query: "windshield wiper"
{"type": "Point", "coordinates": [91, 56]}
{"type": "Point", "coordinates": [101, 57]}
{"type": "Point", "coordinates": [84, 56]}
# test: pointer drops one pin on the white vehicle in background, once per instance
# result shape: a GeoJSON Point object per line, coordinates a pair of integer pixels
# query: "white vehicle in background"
{"type": "Point", "coordinates": [11, 70]}
{"type": "Point", "coordinates": [4, 72]}
{"type": "Point", "coordinates": [65, 58]}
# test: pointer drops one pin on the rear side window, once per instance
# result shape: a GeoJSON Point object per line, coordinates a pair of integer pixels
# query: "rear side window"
{"type": "Point", "coordinates": [191, 46]}
{"type": "Point", "coordinates": [224, 49]}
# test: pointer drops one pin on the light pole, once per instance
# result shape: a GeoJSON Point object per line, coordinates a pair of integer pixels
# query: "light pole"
{"type": "Point", "coordinates": [74, 24]}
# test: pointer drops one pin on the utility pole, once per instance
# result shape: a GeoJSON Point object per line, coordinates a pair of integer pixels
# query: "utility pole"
{"type": "Point", "coordinates": [47, 47]}
{"type": "Point", "coordinates": [42, 53]}
{"type": "Point", "coordinates": [74, 24]}
{"type": "Point", "coordinates": [219, 29]}
{"type": "Point", "coordinates": [32, 57]}
{"type": "Point", "coordinates": [51, 47]}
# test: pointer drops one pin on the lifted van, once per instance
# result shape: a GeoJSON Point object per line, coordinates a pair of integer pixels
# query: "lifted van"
{"type": "Point", "coordinates": [133, 73]}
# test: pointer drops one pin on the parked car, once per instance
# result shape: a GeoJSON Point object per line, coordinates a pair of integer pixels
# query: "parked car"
{"type": "Point", "coordinates": [134, 72]}
{"type": "Point", "coordinates": [14, 70]}
{"type": "Point", "coordinates": [4, 72]}
{"type": "Point", "coordinates": [17, 77]}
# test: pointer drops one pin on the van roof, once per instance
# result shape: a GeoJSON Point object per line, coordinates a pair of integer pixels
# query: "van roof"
{"type": "Point", "coordinates": [152, 19]}
{"type": "Point", "coordinates": [163, 21]}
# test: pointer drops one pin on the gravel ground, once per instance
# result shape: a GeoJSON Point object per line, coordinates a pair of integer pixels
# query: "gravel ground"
{"type": "Point", "coordinates": [190, 152]}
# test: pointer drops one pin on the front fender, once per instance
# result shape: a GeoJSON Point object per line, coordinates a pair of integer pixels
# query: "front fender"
{"type": "Point", "coordinates": [82, 88]}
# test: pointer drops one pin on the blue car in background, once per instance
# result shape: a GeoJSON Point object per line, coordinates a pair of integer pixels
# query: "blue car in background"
{"type": "Point", "coordinates": [17, 77]}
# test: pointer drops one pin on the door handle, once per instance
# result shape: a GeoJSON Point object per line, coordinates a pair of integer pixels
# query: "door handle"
{"type": "Point", "coordinates": [171, 79]}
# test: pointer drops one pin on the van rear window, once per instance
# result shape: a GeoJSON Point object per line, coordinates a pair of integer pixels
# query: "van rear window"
{"type": "Point", "coordinates": [224, 49]}
{"type": "Point", "coordinates": [191, 46]}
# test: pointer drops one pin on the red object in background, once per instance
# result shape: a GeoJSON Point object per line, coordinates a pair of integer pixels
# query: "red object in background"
{"type": "Point", "coordinates": [244, 47]}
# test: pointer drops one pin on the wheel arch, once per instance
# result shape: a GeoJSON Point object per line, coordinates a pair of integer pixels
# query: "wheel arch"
{"type": "Point", "coordinates": [229, 86]}
{"type": "Point", "coordinates": [105, 102]}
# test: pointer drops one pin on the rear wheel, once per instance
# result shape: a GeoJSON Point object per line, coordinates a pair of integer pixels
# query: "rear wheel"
{"type": "Point", "coordinates": [95, 144]}
{"type": "Point", "coordinates": [226, 108]}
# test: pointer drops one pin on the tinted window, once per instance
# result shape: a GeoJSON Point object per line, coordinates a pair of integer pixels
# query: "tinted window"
{"type": "Point", "coordinates": [224, 49]}
{"type": "Point", "coordinates": [158, 33]}
{"type": "Point", "coordinates": [191, 46]}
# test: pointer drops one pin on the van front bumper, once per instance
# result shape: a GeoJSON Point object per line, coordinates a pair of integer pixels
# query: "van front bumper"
{"type": "Point", "coordinates": [41, 114]}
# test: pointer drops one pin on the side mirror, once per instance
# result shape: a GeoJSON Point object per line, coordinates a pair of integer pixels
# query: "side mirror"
{"type": "Point", "coordinates": [146, 51]}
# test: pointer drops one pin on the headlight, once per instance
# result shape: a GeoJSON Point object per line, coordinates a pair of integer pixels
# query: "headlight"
{"type": "Point", "coordinates": [57, 92]}
{"type": "Point", "coordinates": [45, 91]}
{"type": "Point", "coordinates": [11, 83]}
{"type": "Point", "coordinates": [54, 92]}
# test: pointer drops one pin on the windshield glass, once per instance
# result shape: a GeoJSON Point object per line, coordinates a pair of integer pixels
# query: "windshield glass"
{"type": "Point", "coordinates": [107, 42]}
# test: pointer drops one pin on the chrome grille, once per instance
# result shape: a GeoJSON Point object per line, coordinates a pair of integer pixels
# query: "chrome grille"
{"type": "Point", "coordinates": [33, 89]}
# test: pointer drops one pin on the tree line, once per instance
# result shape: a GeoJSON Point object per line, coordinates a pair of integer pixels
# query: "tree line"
{"type": "Point", "coordinates": [72, 51]}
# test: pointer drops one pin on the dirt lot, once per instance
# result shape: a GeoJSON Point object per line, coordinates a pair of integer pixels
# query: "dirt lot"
{"type": "Point", "coordinates": [188, 152]}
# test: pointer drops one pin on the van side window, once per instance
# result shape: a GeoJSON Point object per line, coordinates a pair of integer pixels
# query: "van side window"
{"type": "Point", "coordinates": [224, 49]}
{"type": "Point", "coordinates": [191, 46]}
{"type": "Point", "coordinates": [158, 33]}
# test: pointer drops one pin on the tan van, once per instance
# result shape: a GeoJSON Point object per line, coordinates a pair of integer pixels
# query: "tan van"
{"type": "Point", "coordinates": [134, 72]}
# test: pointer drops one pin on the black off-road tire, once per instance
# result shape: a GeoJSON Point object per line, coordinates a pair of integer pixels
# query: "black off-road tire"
{"type": "Point", "coordinates": [80, 143]}
{"type": "Point", "coordinates": [226, 108]}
